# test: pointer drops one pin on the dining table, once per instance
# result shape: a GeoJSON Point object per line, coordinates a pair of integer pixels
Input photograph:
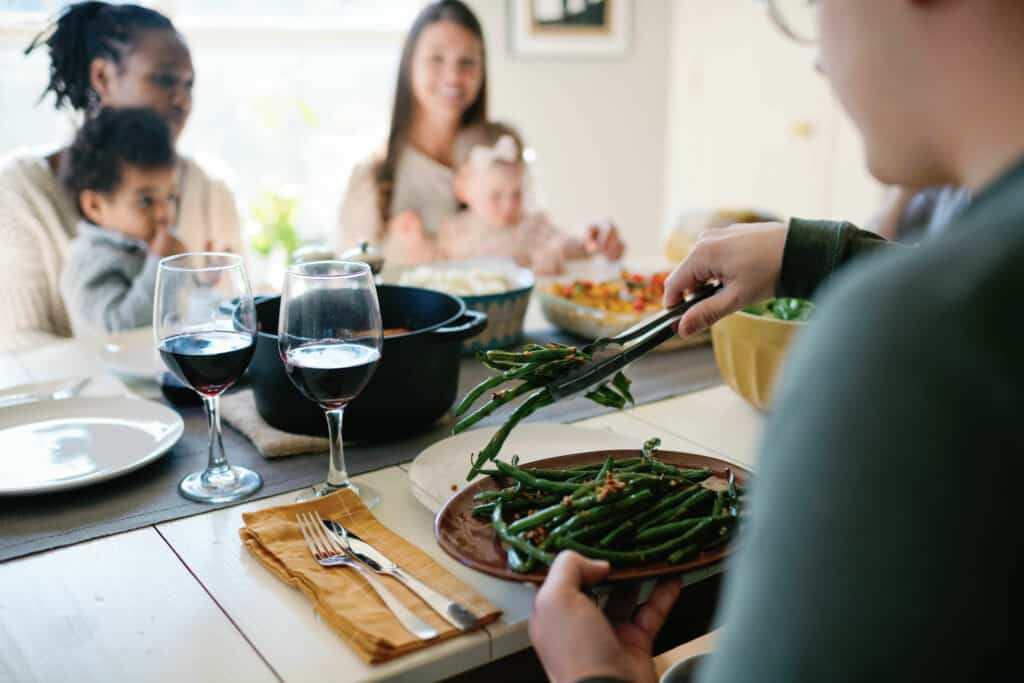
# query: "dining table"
{"type": "Point", "coordinates": [183, 600]}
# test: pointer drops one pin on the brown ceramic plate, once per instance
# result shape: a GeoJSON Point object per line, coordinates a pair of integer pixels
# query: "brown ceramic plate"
{"type": "Point", "coordinates": [473, 542]}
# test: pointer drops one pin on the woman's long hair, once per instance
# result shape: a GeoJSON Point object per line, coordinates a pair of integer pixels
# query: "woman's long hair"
{"type": "Point", "coordinates": [457, 13]}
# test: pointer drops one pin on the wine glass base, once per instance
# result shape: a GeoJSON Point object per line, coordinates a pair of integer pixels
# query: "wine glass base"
{"type": "Point", "coordinates": [367, 494]}
{"type": "Point", "coordinates": [227, 485]}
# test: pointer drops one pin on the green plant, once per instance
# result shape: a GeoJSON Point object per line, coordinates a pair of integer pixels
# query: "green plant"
{"type": "Point", "coordinates": [276, 214]}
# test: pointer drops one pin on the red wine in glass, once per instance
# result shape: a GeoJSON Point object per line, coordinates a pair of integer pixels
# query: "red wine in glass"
{"type": "Point", "coordinates": [204, 326]}
{"type": "Point", "coordinates": [209, 362]}
{"type": "Point", "coordinates": [329, 337]}
{"type": "Point", "coordinates": [330, 374]}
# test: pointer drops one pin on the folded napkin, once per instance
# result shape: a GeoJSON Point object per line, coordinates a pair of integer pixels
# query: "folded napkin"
{"type": "Point", "coordinates": [239, 411]}
{"type": "Point", "coordinates": [340, 595]}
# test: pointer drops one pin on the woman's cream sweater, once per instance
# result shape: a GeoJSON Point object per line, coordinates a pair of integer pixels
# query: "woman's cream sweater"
{"type": "Point", "coordinates": [38, 219]}
{"type": "Point", "coordinates": [421, 185]}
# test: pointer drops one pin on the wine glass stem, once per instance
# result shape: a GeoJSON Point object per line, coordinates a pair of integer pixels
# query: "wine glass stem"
{"type": "Point", "coordinates": [337, 474]}
{"type": "Point", "coordinates": [218, 461]}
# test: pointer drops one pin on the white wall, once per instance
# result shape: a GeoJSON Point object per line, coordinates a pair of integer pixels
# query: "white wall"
{"type": "Point", "coordinates": [751, 123]}
{"type": "Point", "coordinates": [711, 108]}
{"type": "Point", "coordinates": [598, 126]}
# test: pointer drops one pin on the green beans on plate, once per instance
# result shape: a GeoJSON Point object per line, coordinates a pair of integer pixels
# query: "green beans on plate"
{"type": "Point", "coordinates": [631, 512]}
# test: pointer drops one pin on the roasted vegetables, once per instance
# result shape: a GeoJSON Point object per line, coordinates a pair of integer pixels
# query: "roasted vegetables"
{"type": "Point", "coordinates": [631, 293]}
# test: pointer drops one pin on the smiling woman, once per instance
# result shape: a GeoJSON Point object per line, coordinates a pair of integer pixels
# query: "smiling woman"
{"type": "Point", "coordinates": [400, 198]}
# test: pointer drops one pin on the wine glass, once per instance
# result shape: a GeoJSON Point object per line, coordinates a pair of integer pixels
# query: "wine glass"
{"type": "Point", "coordinates": [330, 336]}
{"type": "Point", "coordinates": [204, 321]}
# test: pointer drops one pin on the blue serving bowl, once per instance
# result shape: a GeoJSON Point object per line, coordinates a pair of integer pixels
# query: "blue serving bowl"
{"type": "Point", "coordinates": [505, 311]}
{"type": "Point", "coordinates": [505, 315]}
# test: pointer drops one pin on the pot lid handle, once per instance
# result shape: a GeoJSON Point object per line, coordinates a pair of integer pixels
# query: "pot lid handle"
{"type": "Point", "coordinates": [366, 253]}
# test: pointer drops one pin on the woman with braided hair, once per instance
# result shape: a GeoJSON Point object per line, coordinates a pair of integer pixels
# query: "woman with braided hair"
{"type": "Point", "coordinates": [101, 55]}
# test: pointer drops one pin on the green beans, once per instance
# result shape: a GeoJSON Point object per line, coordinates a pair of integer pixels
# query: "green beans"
{"type": "Point", "coordinates": [684, 553]}
{"type": "Point", "coordinates": [670, 529]}
{"type": "Point", "coordinates": [533, 367]}
{"type": "Point", "coordinates": [499, 399]}
{"type": "Point", "coordinates": [515, 561]}
{"type": "Point", "coordinates": [490, 451]}
{"type": "Point", "coordinates": [680, 511]}
{"type": "Point", "coordinates": [627, 511]}
{"type": "Point", "coordinates": [676, 528]}
{"type": "Point", "coordinates": [531, 481]}
{"type": "Point", "coordinates": [719, 504]}
{"type": "Point", "coordinates": [526, 503]}
{"type": "Point", "coordinates": [570, 505]}
{"type": "Point", "coordinates": [651, 445]}
{"type": "Point", "coordinates": [504, 494]}
{"type": "Point", "coordinates": [476, 392]}
{"type": "Point", "coordinates": [639, 556]}
{"type": "Point", "coordinates": [520, 544]}
{"type": "Point", "coordinates": [635, 522]}
{"type": "Point", "coordinates": [535, 356]}
{"type": "Point", "coordinates": [537, 518]}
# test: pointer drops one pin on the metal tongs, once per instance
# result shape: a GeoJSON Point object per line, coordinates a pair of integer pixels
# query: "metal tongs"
{"type": "Point", "coordinates": [611, 354]}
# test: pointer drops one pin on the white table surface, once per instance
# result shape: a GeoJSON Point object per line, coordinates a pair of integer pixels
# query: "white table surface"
{"type": "Point", "coordinates": [183, 601]}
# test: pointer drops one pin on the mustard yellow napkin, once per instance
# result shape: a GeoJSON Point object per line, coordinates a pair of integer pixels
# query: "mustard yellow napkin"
{"type": "Point", "coordinates": [341, 596]}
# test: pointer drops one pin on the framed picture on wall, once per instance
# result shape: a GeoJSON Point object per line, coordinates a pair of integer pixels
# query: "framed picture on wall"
{"type": "Point", "coordinates": [570, 28]}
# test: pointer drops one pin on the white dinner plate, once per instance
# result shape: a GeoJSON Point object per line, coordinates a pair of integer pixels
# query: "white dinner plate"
{"type": "Point", "coordinates": [132, 354]}
{"type": "Point", "coordinates": [54, 445]}
{"type": "Point", "coordinates": [439, 471]}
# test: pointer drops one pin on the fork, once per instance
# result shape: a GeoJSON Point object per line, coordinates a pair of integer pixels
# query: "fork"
{"type": "Point", "coordinates": [68, 390]}
{"type": "Point", "coordinates": [459, 617]}
{"type": "Point", "coordinates": [329, 553]}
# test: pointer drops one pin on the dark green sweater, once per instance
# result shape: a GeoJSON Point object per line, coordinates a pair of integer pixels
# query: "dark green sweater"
{"type": "Point", "coordinates": [881, 544]}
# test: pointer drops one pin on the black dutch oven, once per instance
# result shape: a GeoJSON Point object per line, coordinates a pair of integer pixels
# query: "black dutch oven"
{"type": "Point", "coordinates": [415, 382]}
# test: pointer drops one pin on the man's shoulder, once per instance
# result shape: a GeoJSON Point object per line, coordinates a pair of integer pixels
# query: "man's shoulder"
{"type": "Point", "coordinates": [940, 315]}
{"type": "Point", "coordinates": [955, 283]}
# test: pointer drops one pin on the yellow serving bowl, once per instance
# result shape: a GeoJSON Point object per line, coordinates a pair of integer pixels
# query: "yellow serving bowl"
{"type": "Point", "coordinates": [750, 350]}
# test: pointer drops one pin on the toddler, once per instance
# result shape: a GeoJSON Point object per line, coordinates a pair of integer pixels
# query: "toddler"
{"type": "Point", "coordinates": [489, 179]}
{"type": "Point", "coordinates": [122, 175]}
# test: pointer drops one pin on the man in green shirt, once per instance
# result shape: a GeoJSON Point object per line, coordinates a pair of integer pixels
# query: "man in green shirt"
{"type": "Point", "coordinates": [880, 545]}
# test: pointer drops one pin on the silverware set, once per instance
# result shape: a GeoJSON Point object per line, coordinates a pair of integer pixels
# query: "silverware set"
{"type": "Point", "coordinates": [332, 545]}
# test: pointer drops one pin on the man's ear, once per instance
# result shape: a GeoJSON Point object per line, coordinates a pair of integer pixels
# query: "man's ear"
{"type": "Point", "coordinates": [92, 205]}
{"type": "Point", "coordinates": [460, 186]}
{"type": "Point", "coordinates": [101, 77]}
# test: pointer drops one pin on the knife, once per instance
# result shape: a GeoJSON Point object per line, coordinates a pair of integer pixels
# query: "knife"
{"type": "Point", "coordinates": [457, 615]}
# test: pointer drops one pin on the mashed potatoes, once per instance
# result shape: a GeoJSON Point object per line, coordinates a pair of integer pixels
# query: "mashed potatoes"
{"type": "Point", "coordinates": [457, 281]}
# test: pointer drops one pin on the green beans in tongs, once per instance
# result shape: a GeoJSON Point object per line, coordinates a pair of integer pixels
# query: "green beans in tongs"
{"type": "Point", "coordinates": [533, 368]}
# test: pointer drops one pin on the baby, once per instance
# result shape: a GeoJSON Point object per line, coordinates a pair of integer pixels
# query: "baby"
{"type": "Point", "coordinates": [489, 179]}
{"type": "Point", "coordinates": [122, 174]}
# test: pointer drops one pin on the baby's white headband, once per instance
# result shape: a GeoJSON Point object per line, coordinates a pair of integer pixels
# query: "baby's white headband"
{"type": "Point", "coordinates": [505, 149]}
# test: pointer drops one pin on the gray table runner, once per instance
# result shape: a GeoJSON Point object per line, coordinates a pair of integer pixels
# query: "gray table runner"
{"type": "Point", "coordinates": [149, 496]}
